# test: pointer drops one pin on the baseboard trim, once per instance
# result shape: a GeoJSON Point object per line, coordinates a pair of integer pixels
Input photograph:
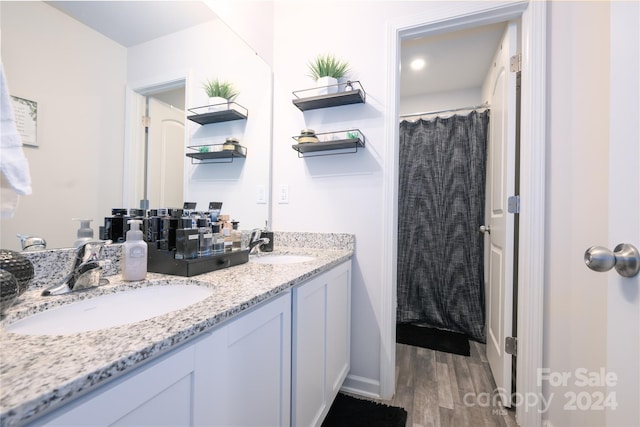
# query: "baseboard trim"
{"type": "Point", "coordinates": [361, 386]}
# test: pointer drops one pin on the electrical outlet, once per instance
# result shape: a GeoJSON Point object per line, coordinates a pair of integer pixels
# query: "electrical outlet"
{"type": "Point", "coordinates": [283, 194]}
{"type": "Point", "coordinates": [261, 194]}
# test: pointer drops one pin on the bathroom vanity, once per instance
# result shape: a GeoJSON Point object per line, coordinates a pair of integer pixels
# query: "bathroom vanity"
{"type": "Point", "coordinates": [269, 346]}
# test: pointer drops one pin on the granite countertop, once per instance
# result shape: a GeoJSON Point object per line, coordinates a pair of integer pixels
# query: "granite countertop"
{"type": "Point", "coordinates": [42, 373]}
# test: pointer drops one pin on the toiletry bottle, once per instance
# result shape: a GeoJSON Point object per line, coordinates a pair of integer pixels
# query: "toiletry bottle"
{"type": "Point", "coordinates": [186, 240]}
{"type": "Point", "coordinates": [115, 225]}
{"type": "Point", "coordinates": [85, 232]}
{"type": "Point", "coordinates": [134, 253]}
{"type": "Point", "coordinates": [214, 210]}
{"type": "Point", "coordinates": [205, 237]}
{"type": "Point", "coordinates": [236, 236]}
{"type": "Point", "coordinates": [228, 240]}
{"type": "Point", "coordinates": [169, 226]}
{"type": "Point", "coordinates": [218, 240]}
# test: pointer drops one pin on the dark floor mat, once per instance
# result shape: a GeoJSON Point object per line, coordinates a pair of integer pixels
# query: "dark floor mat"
{"type": "Point", "coordinates": [348, 411]}
{"type": "Point", "coordinates": [434, 339]}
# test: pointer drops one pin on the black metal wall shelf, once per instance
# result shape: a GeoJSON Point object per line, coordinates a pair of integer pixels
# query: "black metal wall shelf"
{"type": "Point", "coordinates": [218, 113]}
{"type": "Point", "coordinates": [331, 143]}
{"type": "Point", "coordinates": [217, 153]}
{"type": "Point", "coordinates": [308, 99]}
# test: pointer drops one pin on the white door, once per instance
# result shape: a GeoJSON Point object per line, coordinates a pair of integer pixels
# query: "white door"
{"type": "Point", "coordinates": [499, 241]}
{"type": "Point", "coordinates": [165, 174]}
{"type": "Point", "coordinates": [623, 306]}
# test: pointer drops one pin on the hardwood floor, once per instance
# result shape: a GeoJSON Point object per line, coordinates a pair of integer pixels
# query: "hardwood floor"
{"type": "Point", "coordinates": [432, 386]}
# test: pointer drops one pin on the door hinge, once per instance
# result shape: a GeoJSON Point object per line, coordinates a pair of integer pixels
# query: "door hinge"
{"type": "Point", "coordinates": [146, 121]}
{"type": "Point", "coordinates": [515, 63]}
{"type": "Point", "coordinates": [511, 345]}
{"type": "Point", "coordinates": [513, 204]}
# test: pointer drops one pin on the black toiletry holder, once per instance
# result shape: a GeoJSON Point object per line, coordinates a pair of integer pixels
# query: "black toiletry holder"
{"type": "Point", "coordinates": [162, 261]}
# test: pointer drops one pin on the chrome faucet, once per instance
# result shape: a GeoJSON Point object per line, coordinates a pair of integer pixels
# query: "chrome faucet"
{"type": "Point", "coordinates": [256, 241]}
{"type": "Point", "coordinates": [85, 271]}
{"type": "Point", "coordinates": [32, 243]}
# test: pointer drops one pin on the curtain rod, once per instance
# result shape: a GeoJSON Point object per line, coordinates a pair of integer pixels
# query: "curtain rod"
{"type": "Point", "coordinates": [451, 110]}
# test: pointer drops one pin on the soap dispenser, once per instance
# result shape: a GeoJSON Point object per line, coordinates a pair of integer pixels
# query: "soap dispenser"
{"type": "Point", "coordinates": [134, 253]}
{"type": "Point", "coordinates": [85, 232]}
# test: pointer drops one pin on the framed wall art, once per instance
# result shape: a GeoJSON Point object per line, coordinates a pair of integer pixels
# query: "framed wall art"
{"type": "Point", "coordinates": [25, 112]}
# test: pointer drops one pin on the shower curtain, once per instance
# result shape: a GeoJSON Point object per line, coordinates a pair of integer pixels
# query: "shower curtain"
{"type": "Point", "coordinates": [441, 207]}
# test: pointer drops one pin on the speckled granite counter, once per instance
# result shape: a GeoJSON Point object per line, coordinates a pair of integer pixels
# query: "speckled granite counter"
{"type": "Point", "coordinates": [41, 373]}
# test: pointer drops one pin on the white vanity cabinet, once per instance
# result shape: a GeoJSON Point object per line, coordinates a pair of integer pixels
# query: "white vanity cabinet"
{"type": "Point", "coordinates": [321, 343]}
{"type": "Point", "coordinates": [244, 370]}
{"type": "Point", "coordinates": [157, 394]}
{"type": "Point", "coordinates": [280, 363]}
{"type": "Point", "coordinates": [238, 374]}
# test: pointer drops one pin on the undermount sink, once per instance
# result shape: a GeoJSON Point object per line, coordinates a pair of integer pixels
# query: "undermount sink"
{"type": "Point", "coordinates": [106, 311]}
{"type": "Point", "coordinates": [281, 259]}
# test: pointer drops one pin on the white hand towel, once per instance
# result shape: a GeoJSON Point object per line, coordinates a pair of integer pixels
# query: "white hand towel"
{"type": "Point", "coordinates": [13, 163]}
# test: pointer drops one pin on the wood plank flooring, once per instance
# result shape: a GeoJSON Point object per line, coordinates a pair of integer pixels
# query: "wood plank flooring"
{"type": "Point", "coordinates": [432, 386]}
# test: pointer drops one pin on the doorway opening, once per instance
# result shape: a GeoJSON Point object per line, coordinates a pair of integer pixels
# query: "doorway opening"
{"type": "Point", "coordinates": [465, 70]}
{"type": "Point", "coordinates": [156, 152]}
{"type": "Point", "coordinates": [532, 184]}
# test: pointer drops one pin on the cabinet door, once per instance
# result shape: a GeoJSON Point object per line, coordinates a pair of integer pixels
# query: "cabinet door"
{"type": "Point", "coordinates": [338, 328]}
{"type": "Point", "coordinates": [159, 394]}
{"type": "Point", "coordinates": [321, 343]}
{"type": "Point", "coordinates": [309, 357]}
{"type": "Point", "coordinates": [244, 369]}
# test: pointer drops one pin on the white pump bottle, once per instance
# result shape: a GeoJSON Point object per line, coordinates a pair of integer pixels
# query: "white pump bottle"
{"type": "Point", "coordinates": [134, 253]}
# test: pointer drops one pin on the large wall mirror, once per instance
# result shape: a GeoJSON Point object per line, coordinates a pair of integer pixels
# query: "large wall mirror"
{"type": "Point", "coordinates": [92, 90]}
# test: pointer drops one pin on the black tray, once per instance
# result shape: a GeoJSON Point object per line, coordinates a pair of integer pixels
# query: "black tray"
{"type": "Point", "coordinates": [160, 261]}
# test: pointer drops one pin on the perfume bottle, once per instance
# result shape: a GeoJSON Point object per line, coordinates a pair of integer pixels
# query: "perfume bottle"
{"type": "Point", "coordinates": [217, 240]}
{"type": "Point", "coordinates": [205, 237]}
{"type": "Point", "coordinates": [186, 240]}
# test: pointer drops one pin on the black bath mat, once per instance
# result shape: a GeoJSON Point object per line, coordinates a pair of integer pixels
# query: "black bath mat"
{"type": "Point", "coordinates": [348, 411]}
{"type": "Point", "coordinates": [434, 339]}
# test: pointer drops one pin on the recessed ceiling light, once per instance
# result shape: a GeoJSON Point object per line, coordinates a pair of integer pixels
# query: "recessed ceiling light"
{"type": "Point", "coordinates": [418, 64]}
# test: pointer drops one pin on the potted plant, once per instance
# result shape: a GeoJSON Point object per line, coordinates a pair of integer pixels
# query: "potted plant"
{"type": "Point", "coordinates": [326, 69]}
{"type": "Point", "coordinates": [220, 94]}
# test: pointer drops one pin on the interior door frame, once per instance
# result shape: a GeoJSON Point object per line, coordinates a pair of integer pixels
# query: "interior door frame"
{"type": "Point", "coordinates": [133, 124]}
{"type": "Point", "coordinates": [453, 17]}
{"type": "Point", "coordinates": [624, 205]}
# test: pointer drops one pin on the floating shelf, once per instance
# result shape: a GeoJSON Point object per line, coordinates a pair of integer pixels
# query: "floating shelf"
{"type": "Point", "coordinates": [308, 99]}
{"type": "Point", "coordinates": [216, 153]}
{"type": "Point", "coordinates": [341, 142]}
{"type": "Point", "coordinates": [218, 113]}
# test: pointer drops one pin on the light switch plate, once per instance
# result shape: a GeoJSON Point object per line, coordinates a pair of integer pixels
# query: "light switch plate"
{"type": "Point", "coordinates": [283, 194]}
{"type": "Point", "coordinates": [261, 194]}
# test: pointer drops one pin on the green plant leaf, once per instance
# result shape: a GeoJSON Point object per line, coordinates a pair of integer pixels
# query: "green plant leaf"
{"type": "Point", "coordinates": [327, 65]}
{"type": "Point", "coordinates": [219, 88]}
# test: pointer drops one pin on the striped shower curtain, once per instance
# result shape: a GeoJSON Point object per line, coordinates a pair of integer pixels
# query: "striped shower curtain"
{"type": "Point", "coordinates": [441, 207]}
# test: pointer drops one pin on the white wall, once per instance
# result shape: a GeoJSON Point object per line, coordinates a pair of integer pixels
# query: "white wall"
{"type": "Point", "coordinates": [340, 193]}
{"type": "Point", "coordinates": [212, 50]}
{"type": "Point", "coordinates": [440, 101]}
{"type": "Point", "coordinates": [77, 77]}
{"type": "Point", "coordinates": [577, 198]}
{"type": "Point", "coordinates": [343, 193]}
{"type": "Point", "coordinates": [252, 20]}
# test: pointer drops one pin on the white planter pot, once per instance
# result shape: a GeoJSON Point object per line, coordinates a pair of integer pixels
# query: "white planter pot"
{"type": "Point", "coordinates": [326, 85]}
{"type": "Point", "coordinates": [218, 103]}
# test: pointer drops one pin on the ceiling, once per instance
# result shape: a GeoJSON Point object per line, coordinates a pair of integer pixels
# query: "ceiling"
{"type": "Point", "coordinates": [454, 61]}
{"type": "Point", "coordinates": [133, 22]}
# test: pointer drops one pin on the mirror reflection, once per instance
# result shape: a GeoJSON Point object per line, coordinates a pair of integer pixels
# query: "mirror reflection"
{"type": "Point", "coordinates": [91, 91]}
